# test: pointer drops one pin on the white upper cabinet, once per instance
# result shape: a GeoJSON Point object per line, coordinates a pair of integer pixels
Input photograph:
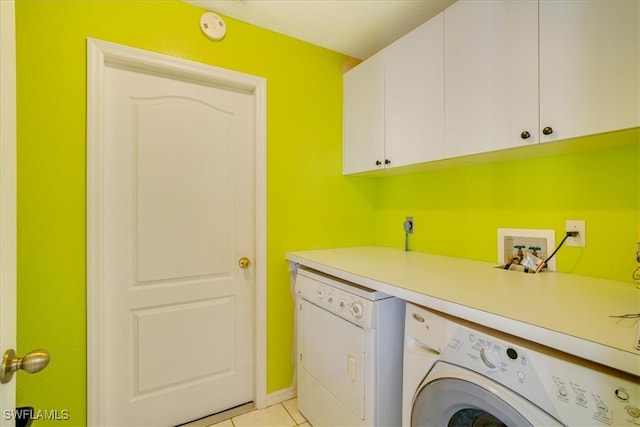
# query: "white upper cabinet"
{"type": "Point", "coordinates": [414, 96]}
{"type": "Point", "coordinates": [394, 103]}
{"type": "Point", "coordinates": [363, 116]}
{"type": "Point", "coordinates": [589, 67]}
{"type": "Point", "coordinates": [491, 75]}
{"type": "Point", "coordinates": [488, 75]}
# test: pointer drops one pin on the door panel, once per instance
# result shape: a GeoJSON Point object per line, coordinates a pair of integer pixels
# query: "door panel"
{"type": "Point", "coordinates": [212, 355]}
{"type": "Point", "coordinates": [178, 214]}
{"type": "Point", "coordinates": [195, 239]}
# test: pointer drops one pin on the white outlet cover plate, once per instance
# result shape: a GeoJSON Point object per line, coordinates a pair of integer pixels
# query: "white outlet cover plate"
{"type": "Point", "coordinates": [581, 240]}
{"type": "Point", "coordinates": [548, 235]}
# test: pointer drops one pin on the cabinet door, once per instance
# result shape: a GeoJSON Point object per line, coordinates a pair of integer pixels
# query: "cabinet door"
{"type": "Point", "coordinates": [414, 95]}
{"type": "Point", "coordinates": [491, 75]}
{"type": "Point", "coordinates": [589, 66]}
{"type": "Point", "coordinates": [363, 117]}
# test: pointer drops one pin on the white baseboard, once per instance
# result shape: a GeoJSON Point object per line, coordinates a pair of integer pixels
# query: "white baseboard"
{"type": "Point", "coordinates": [281, 395]}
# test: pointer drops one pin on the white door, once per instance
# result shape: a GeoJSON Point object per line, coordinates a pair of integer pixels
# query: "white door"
{"type": "Point", "coordinates": [178, 215]}
{"type": "Point", "coordinates": [7, 200]}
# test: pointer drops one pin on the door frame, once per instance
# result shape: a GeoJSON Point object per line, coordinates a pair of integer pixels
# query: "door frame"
{"type": "Point", "coordinates": [8, 202]}
{"type": "Point", "coordinates": [99, 55]}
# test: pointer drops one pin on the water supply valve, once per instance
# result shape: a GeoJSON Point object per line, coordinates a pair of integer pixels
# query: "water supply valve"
{"type": "Point", "coordinates": [520, 254]}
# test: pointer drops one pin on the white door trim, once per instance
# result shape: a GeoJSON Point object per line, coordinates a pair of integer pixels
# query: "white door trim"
{"type": "Point", "coordinates": [7, 198]}
{"type": "Point", "coordinates": [99, 55]}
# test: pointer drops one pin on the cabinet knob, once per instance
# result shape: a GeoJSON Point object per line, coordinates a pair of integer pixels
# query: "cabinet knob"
{"type": "Point", "coordinates": [547, 130]}
{"type": "Point", "coordinates": [378, 162]}
{"type": "Point", "coordinates": [387, 161]}
{"type": "Point", "coordinates": [525, 134]}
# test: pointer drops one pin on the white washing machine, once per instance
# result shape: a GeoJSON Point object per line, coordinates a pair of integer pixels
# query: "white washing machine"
{"type": "Point", "coordinates": [457, 373]}
{"type": "Point", "coordinates": [349, 350]}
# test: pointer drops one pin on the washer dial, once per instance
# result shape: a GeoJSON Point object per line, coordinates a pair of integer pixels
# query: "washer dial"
{"type": "Point", "coordinates": [490, 358]}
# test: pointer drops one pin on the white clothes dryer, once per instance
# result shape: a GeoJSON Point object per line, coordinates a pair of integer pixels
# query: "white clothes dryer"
{"type": "Point", "coordinates": [349, 353]}
{"type": "Point", "coordinates": [457, 373]}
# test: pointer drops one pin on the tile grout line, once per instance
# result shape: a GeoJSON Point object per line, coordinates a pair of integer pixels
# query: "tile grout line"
{"type": "Point", "coordinates": [295, 423]}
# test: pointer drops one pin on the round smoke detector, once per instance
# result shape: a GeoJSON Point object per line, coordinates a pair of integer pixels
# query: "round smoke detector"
{"type": "Point", "coordinates": [212, 26]}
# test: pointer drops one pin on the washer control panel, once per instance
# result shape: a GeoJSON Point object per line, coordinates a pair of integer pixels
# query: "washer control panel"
{"type": "Point", "coordinates": [601, 399]}
{"type": "Point", "coordinates": [347, 305]}
{"type": "Point", "coordinates": [492, 357]}
{"type": "Point", "coordinates": [564, 388]}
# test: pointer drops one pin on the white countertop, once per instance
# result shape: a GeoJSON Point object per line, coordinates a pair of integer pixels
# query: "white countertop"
{"type": "Point", "coordinates": [563, 311]}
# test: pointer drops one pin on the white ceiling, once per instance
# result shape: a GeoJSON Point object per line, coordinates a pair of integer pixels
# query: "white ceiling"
{"type": "Point", "coordinates": [358, 28]}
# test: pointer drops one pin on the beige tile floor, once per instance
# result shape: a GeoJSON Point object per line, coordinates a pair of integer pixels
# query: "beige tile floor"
{"type": "Point", "coordinates": [283, 414]}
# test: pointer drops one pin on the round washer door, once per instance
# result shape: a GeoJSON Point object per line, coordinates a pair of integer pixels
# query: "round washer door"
{"type": "Point", "coordinates": [453, 396]}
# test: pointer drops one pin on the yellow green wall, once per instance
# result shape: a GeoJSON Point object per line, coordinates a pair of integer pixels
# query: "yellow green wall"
{"type": "Point", "coordinates": [310, 205]}
{"type": "Point", "coordinates": [457, 211]}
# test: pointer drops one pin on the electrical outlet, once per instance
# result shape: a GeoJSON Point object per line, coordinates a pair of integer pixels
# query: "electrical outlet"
{"type": "Point", "coordinates": [408, 225]}
{"type": "Point", "coordinates": [580, 240]}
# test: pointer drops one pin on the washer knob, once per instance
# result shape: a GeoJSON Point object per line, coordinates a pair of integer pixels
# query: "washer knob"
{"type": "Point", "coordinates": [490, 358]}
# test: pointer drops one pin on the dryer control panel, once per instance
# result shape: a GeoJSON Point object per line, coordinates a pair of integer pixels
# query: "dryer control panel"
{"type": "Point", "coordinates": [325, 294]}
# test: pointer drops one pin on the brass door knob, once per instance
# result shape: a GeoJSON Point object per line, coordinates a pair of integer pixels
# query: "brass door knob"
{"type": "Point", "coordinates": [32, 362]}
{"type": "Point", "coordinates": [244, 263]}
{"type": "Point", "coordinates": [547, 130]}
